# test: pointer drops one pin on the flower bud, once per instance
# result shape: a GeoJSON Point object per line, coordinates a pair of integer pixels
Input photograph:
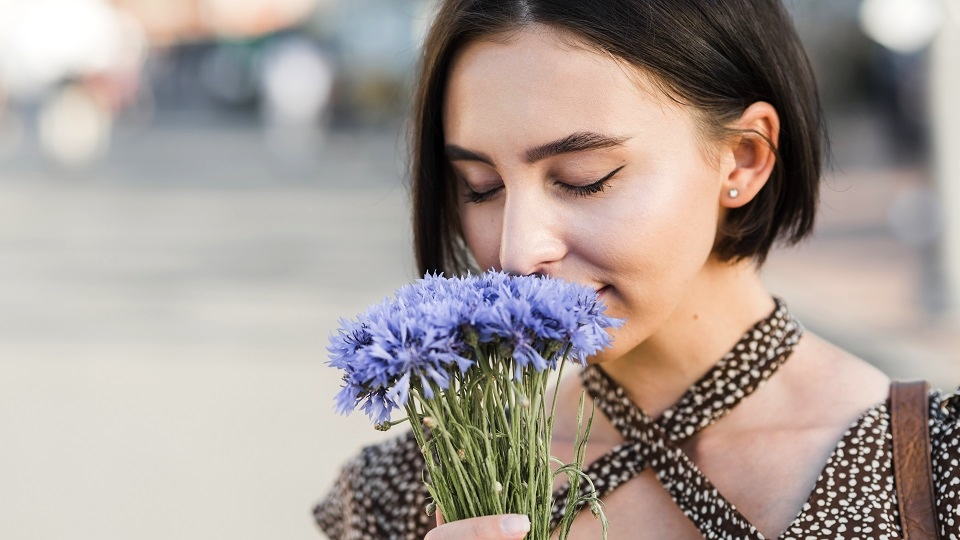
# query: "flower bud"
{"type": "Point", "coordinates": [470, 336]}
{"type": "Point", "coordinates": [595, 509]}
{"type": "Point", "coordinates": [430, 422]}
{"type": "Point", "coordinates": [383, 426]}
{"type": "Point", "coordinates": [523, 401]}
{"type": "Point", "coordinates": [431, 508]}
{"type": "Point", "coordinates": [462, 455]}
{"type": "Point", "coordinates": [497, 486]}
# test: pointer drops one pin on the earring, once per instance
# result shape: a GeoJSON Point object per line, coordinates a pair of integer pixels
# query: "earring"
{"type": "Point", "coordinates": [734, 193]}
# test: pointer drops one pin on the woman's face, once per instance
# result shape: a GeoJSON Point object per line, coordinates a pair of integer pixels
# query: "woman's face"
{"type": "Point", "coordinates": [565, 166]}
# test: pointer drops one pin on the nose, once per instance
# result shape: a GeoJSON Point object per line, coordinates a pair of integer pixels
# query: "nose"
{"type": "Point", "coordinates": [530, 240]}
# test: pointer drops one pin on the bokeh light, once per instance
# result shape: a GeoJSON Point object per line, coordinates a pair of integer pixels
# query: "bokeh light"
{"type": "Point", "coordinates": [904, 26]}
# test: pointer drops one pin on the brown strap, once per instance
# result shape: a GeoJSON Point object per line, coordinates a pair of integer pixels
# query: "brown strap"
{"type": "Point", "coordinates": [909, 422]}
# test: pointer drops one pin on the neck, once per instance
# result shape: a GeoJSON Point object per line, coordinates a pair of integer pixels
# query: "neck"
{"type": "Point", "coordinates": [723, 302]}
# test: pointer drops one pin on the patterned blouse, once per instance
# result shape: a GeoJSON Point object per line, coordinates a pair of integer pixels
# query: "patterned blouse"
{"type": "Point", "coordinates": [380, 493]}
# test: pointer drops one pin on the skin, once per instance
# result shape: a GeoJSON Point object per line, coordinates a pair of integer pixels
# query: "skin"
{"type": "Point", "coordinates": [645, 241]}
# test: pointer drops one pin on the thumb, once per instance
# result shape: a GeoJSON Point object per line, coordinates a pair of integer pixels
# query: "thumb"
{"type": "Point", "coordinates": [502, 527]}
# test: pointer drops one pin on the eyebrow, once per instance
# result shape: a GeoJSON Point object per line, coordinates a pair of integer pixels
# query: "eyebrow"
{"type": "Point", "coordinates": [580, 141]}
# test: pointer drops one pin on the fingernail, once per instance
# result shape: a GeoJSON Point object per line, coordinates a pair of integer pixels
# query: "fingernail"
{"type": "Point", "coordinates": [515, 525]}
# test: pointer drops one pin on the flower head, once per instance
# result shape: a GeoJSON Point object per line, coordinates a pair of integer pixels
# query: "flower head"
{"type": "Point", "coordinates": [430, 331]}
{"type": "Point", "coordinates": [537, 314]}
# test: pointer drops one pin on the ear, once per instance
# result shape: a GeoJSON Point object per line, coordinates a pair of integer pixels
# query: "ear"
{"type": "Point", "coordinates": [752, 154]}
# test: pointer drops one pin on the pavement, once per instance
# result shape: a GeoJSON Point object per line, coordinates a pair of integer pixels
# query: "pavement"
{"type": "Point", "coordinates": [164, 317]}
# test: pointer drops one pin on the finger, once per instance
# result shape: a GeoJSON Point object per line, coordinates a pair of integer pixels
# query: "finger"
{"type": "Point", "coordinates": [507, 527]}
{"type": "Point", "coordinates": [439, 517]}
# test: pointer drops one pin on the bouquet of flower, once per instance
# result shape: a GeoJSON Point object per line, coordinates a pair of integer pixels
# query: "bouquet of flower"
{"type": "Point", "coordinates": [468, 360]}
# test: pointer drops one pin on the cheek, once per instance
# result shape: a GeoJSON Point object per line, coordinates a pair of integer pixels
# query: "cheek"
{"type": "Point", "coordinates": [664, 224]}
{"type": "Point", "coordinates": [481, 231]}
{"type": "Point", "coordinates": [652, 245]}
{"type": "Point", "coordinates": [681, 221]}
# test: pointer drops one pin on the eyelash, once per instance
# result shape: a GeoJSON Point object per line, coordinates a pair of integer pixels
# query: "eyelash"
{"type": "Point", "coordinates": [577, 191]}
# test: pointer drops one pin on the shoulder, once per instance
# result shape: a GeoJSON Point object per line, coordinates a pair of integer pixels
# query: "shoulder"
{"type": "Point", "coordinates": [380, 493]}
{"type": "Point", "coordinates": [820, 387]}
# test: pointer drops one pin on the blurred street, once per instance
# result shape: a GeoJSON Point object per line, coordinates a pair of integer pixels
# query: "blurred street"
{"type": "Point", "coordinates": [162, 338]}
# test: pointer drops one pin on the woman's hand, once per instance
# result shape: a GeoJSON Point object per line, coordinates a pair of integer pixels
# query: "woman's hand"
{"type": "Point", "coordinates": [503, 527]}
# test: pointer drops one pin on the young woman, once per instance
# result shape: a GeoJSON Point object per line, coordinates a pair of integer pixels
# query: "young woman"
{"type": "Point", "coordinates": [655, 150]}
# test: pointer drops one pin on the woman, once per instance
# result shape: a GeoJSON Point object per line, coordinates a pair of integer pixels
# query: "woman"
{"type": "Point", "coordinates": [654, 150]}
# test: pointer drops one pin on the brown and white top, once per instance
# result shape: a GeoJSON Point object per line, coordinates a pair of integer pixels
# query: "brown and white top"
{"type": "Point", "coordinates": [380, 493]}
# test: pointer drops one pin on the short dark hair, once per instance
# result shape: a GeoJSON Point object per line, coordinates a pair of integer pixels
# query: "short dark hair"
{"type": "Point", "coordinates": [717, 56]}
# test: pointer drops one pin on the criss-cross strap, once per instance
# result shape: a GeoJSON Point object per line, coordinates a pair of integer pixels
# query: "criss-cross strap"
{"type": "Point", "coordinates": [695, 495]}
{"type": "Point", "coordinates": [755, 357]}
{"type": "Point", "coordinates": [747, 366]}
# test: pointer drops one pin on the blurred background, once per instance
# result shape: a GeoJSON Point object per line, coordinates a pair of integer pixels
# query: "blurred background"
{"type": "Point", "coordinates": [193, 191]}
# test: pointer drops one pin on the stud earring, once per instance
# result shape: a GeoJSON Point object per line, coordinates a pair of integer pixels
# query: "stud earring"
{"type": "Point", "coordinates": [734, 193]}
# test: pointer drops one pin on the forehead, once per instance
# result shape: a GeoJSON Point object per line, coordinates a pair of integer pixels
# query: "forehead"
{"type": "Point", "coordinates": [537, 83]}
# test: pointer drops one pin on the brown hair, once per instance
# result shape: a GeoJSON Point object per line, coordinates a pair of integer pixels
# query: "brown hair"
{"type": "Point", "coordinates": [717, 56]}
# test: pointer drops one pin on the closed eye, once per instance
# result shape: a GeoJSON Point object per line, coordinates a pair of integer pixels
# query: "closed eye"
{"type": "Point", "coordinates": [472, 196]}
{"type": "Point", "coordinates": [590, 189]}
{"type": "Point", "coordinates": [477, 197]}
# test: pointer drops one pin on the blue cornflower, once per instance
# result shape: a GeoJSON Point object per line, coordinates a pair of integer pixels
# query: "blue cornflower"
{"type": "Point", "coordinates": [428, 332]}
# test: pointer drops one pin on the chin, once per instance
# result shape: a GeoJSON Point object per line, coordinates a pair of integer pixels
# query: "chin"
{"type": "Point", "coordinates": [596, 359]}
{"type": "Point", "coordinates": [609, 354]}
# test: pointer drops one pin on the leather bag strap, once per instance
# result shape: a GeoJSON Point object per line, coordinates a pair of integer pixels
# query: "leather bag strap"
{"type": "Point", "coordinates": [909, 423]}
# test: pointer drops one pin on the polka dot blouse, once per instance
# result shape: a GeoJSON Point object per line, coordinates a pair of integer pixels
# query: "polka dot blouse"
{"type": "Point", "coordinates": [380, 493]}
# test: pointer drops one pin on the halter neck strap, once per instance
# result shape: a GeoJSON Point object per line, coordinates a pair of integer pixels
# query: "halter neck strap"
{"type": "Point", "coordinates": [758, 354]}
